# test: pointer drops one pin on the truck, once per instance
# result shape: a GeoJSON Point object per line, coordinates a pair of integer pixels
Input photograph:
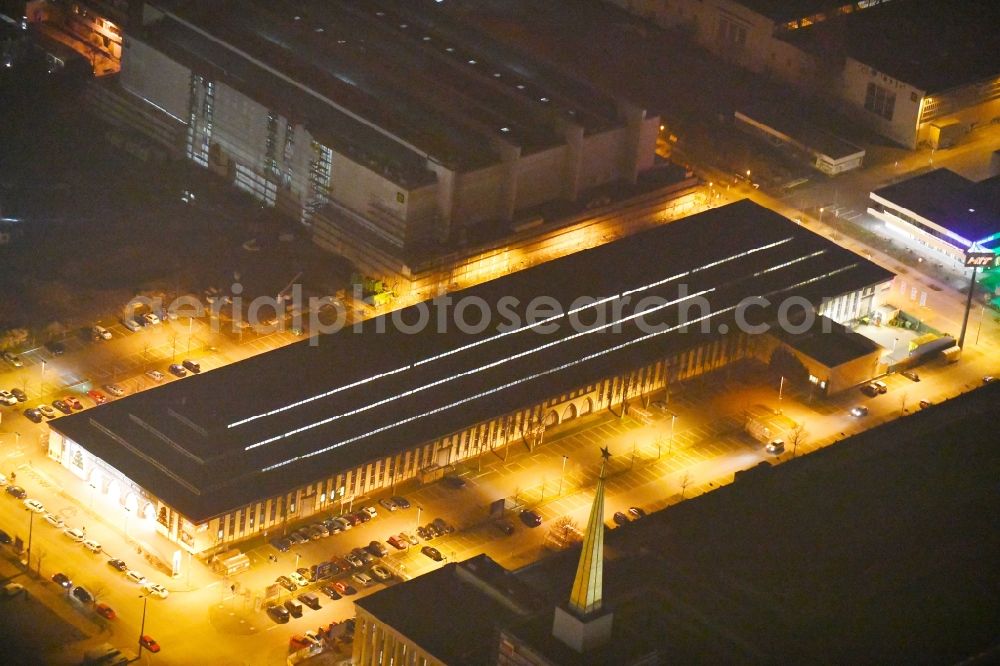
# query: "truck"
{"type": "Point", "coordinates": [952, 354]}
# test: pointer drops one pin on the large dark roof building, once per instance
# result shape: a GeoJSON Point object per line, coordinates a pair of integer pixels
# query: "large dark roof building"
{"type": "Point", "coordinates": [300, 417]}
{"type": "Point", "coordinates": [878, 549]}
{"type": "Point", "coordinates": [387, 126]}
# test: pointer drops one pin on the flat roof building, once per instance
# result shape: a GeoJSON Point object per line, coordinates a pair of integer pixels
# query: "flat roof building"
{"type": "Point", "coordinates": [391, 128]}
{"type": "Point", "coordinates": [230, 452]}
{"type": "Point", "coordinates": [942, 210]}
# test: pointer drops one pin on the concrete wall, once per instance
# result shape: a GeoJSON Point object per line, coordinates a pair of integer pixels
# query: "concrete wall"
{"type": "Point", "coordinates": [240, 127]}
{"type": "Point", "coordinates": [156, 78]}
{"type": "Point", "coordinates": [540, 177]}
{"type": "Point", "coordinates": [853, 87]}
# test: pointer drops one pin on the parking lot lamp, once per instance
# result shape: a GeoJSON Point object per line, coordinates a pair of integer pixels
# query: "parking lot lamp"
{"type": "Point", "coordinates": [561, 474]}
{"type": "Point", "coordinates": [142, 625]}
{"type": "Point", "coordinates": [673, 419]}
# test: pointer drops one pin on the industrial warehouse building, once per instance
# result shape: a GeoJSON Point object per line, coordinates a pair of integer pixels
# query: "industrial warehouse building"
{"type": "Point", "coordinates": [221, 456]}
{"type": "Point", "coordinates": [915, 71]}
{"type": "Point", "coordinates": [399, 134]}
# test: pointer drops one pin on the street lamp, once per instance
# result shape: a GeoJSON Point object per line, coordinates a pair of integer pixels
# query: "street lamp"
{"type": "Point", "coordinates": [561, 473]}
{"type": "Point", "coordinates": [673, 419]}
{"type": "Point", "coordinates": [781, 390]}
{"type": "Point", "coordinates": [821, 215]}
{"type": "Point", "coordinates": [31, 525]}
{"type": "Point", "coordinates": [419, 509]}
{"type": "Point", "coordinates": [142, 625]}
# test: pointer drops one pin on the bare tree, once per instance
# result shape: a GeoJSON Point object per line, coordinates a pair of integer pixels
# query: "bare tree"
{"type": "Point", "coordinates": [796, 436]}
{"type": "Point", "coordinates": [685, 482]}
{"type": "Point", "coordinates": [902, 403]}
{"type": "Point", "coordinates": [40, 554]}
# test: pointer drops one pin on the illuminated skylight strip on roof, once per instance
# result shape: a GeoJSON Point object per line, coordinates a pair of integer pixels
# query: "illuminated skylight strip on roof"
{"type": "Point", "coordinates": [492, 338]}
{"type": "Point", "coordinates": [482, 368]}
{"type": "Point", "coordinates": [543, 373]}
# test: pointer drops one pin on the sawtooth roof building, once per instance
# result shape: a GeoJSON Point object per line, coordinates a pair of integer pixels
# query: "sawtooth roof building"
{"type": "Point", "coordinates": [217, 457]}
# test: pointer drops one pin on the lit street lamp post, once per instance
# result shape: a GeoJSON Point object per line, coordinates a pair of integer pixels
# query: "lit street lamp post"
{"type": "Point", "coordinates": [142, 625]}
{"type": "Point", "coordinates": [31, 525]}
{"type": "Point", "coordinates": [673, 419]}
{"type": "Point", "coordinates": [419, 509]}
{"type": "Point", "coordinates": [781, 391]}
{"type": "Point", "coordinates": [562, 473]}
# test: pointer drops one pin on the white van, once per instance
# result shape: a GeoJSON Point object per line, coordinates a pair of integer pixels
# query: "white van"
{"type": "Point", "coordinates": [92, 545]}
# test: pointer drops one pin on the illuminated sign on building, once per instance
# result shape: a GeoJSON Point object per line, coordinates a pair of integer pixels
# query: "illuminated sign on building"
{"type": "Point", "coordinates": [981, 258]}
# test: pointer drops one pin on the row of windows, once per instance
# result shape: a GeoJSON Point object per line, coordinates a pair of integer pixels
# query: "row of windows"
{"type": "Point", "coordinates": [475, 440]}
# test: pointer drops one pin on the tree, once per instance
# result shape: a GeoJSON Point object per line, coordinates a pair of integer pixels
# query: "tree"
{"type": "Point", "coordinates": [796, 436]}
{"type": "Point", "coordinates": [685, 482]}
{"type": "Point", "coordinates": [565, 532]}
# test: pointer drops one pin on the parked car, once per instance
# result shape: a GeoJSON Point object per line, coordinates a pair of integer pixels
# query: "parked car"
{"type": "Point", "coordinates": [105, 610]}
{"type": "Point", "coordinates": [377, 549]}
{"type": "Point", "coordinates": [286, 582]}
{"type": "Point", "coordinates": [16, 491]}
{"type": "Point", "coordinates": [5, 538]}
{"type": "Point", "coordinates": [135, 577]}
{"type": "Point", "coordinates": [332, 526]}
{"type": "Point", "coordinates": [278, 613]}
{"type": "Point", "coordinates": [100, 333]}
{"type": "Point", "coordinates": [11, 358]}
{"type": "Point", "coordinates": [19, 394]}
{"type": "Point", "coordinates": [775, 446]}
{"type": "Point", "coordinates": [636, 512]}
{"type": "Point", "coordinates": [331, 591]}
{"type": "Point", "coordinates": [33, 415]}
{"type": "Point", "coordinates": [47, 411]}
{"type": "Point", "coordinates": [398, 542]}
{"type": "Point", "coordinates": [410, 538]}
{"type": "Point", "coordinates": [306, 573]}
{"type": "Point", "coordinates": [177, 370]}
{"type": "Point", "coordinates": [73, 402]}
{"type": "Point", "coordinates": [924, 403]}
{"type": "Point", "coordinates": [988, 379]}
{"type": "Point", "coordinates": [282, 545]}
{"type": "Point", "coordinates": [859, 410]}
{"type": "Point", "coordinates": [62, 406]}
{"type": "Point", "coordinates": [401, 502]}
{"type": "Point", "coordinates": [54, 520]}
{"type": "Point", "coordinates": [83, 595]}
{"type": "Point", "coordinates": [370, 510]}
{"type": "Point", "coordinates": [344, 588]}
{"type": "Point", "coordinates": [149, 643]}
{"type": "Point", "coordinates": [530, 518]}
{"type": "Point", "coordinates": [299, 579]}
{"type": "Point", "coordinates": [620, 518]}
{"type": "Point", "coordinates": [75, 533]}
{"type": "Point", "coordinates": [191, 365]}
{"type": "Point", "coordinates": [294, 607]}
{"type": "Point", "coordinates": [880, 387]}
{"type": "Point", "coordinates": [911, 375]}
{"type": "Point", "coordinates": [97, 396]}
{"type": "Point", "coordinates": [62, 580]}
{"type": "Point", "coordinates": [380, 572]}
{"type": "Point", "coordinates": [155, 375]}
{"type": "Point", "coordinates": [388, 504]}
{"type": "Point", "coordinates": [356, 562]}
{"type": "Point", "coordinates": [115, 390]}
{"type": "Point", "coordinates": [117, 564]}
{"type": "Point", "coordinates": [7, 398]}
{"type": "Point", "coordinates": [344, 523]}
{"type": "Point", "coordinates": [432, 552]}
{"type": "Point", "coordinates": [442, 526]}
{"type": "Point", "coordinates": [12, 589]}
{"type": "Point", "coordinates": [34, 505]}
{"type": "Point", "coordinates": [155, 590]}
{"type": "Point", "coordinates": [55, 348]}
{"type": "Point", "coordinates": [297, 538]}
{"type": "Point", "coordinates": [132, 325]}
{"type": "Point", "coordinates": [455, 482]}
{"type": "Point", "coordinates": [870, 390]}
{"type": "Point", "coordinates": [361, 578]}
{"type": "Point", "coordinates": [310, 599]}
{"type": "Point", "coordinates": [505, 526]}
{"type": "Point", "coordinates": [92, 546]}
{"type": "Point", "coordinates": [150, 319]}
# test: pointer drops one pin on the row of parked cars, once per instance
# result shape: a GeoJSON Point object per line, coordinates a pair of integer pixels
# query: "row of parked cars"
{"type": "Point", "coordinates": [337, 524]}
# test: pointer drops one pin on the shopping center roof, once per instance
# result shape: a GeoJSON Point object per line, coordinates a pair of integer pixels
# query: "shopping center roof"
{"type": "Point", "coordinates": [274, 422]}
